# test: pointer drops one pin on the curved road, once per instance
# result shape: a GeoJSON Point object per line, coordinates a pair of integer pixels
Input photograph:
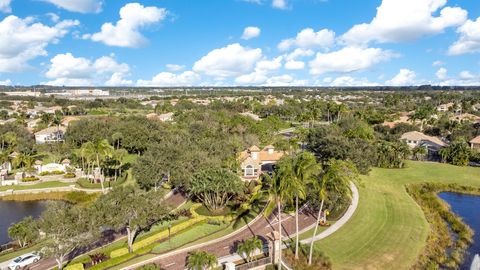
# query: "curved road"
{"type": "Point", "coordinates": [226, 246]}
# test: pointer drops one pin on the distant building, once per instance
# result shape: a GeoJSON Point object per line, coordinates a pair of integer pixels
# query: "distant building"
{"type": "Point", "coordinates": [32, 124]}
{"type": "Point", "coordinates": [254, 161]}
{"type": "Point", "coordinates": [465, 117]}
{"type": "Point", "coordinates": [50, 135]}
{"type": "Point", "coordinates": [418, 139]}
{"type": "Point", "coordinates": [166, 117]}
{"type": "Point", "coordinates": [475, 144]}
{"type": "Point", "coordinates": [22, 93]}
{"type": "Point", "coordinates": [251, 115]}
{"type": "Point", "coordinates": [445, 107]}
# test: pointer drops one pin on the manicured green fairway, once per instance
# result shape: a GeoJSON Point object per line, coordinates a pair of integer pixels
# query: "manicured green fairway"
{"type": "Point", "coordinates": [389, 230]}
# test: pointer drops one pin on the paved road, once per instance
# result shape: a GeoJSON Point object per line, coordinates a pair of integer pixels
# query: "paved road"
{"type": "Point", "coordinates": [175, 199]}
{"type": "Point", "coordinates": [262, 227]}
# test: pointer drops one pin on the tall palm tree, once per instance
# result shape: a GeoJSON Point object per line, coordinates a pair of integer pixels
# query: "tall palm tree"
{"type": "Point", "coordinates": [248, 247]}
{"type": "Point", "coordinates": [278, 192]}
{"type": "Point", "coordinates": [201, 260]}
{"type": "Point", "coordinates": [336, 177]}
{"type": "Point", "coordinates": [100, 150]}
{"type": "Point", "coordinates": [305, 169]}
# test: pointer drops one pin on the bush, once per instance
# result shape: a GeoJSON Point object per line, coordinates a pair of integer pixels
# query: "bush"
{"type": "Point", "coordinates": [30, 179]}
{"type": "Point", "coordinates": [69, 175]}
{"type": "Point", "coordinates": [77, 266]}
{"type": "Point", "coordinates": [51, 173]}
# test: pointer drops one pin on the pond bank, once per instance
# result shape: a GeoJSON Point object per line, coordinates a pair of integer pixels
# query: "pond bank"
{"type": "Point", "coordinates": [467, 207]}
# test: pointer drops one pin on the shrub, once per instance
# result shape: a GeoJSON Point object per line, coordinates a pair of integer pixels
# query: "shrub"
{"type": "Point", "coordinates": [30, 179]}
{"type": "Point", "coordinates": [69, 175]}
{"type": "Point", "coordinates": [51, 173]}
{"type": "Point", "coordinates": [158, 236]}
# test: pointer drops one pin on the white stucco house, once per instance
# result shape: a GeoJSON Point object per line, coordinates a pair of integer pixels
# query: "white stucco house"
{"type": "Point", "coordinates": [50, 135]}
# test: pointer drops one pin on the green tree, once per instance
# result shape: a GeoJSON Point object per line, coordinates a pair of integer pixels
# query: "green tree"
{"type": "Point", "coordinates": [215, 187]}
{"type": "Point", "coordinates": [24, 232]}
{"type": "Point", "coordinates": [201, 260]}
{"type": "Point", "coordinates": [248, 247]}
{"type": "Point", "coordinates": [131, 208]}
{"type": "Point", "coordinates": [66, 228]}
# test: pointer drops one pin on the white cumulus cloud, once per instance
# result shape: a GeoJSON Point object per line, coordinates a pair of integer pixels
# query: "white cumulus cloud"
{"type": "Point", "coordinates": [187, 78]}
{"type": "Point", "coordinates": [6, 82]}
{"type": "Point", "coordinates": [5, 6]}
{"type": "Point", "coordinates": [174, 67]}
{"type": "Point", "coordinates": [229, 61]}
{"type": "Point", "coordinates": [126, 32]}
{"type": "Point", "coordinates": [348, 59]}
{"type": "Point", "coordinates": [469, 41]}
{"type": "Point", "coordinates": [81, 6]}
{"type": "Point", "coordinates": [22, 40]}
{"type": "Point", "coordinates": [280, 4]}
{"type": "Point", "coordinates": [251, 32]}
{"type": "Point", "coordinates": [294, 65]}
{"type": "Point", "coordinates": [442, 74]}
{"type": "Point", "coordinates": [309, 39]}
{"type": "Point", "coordinates": [66, 69]}
{"type": "Point", "coordinates": [406, 20]}
{"type": "Point", "coordinates": [405, 77]}
{"type": "Point", "coordinates": [350, 81]}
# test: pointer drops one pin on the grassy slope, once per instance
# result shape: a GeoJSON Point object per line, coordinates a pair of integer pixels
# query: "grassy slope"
{"type": "Point", "coordinates": [389, 230]}
{"type": "Point", "coordinates": [51, 184]}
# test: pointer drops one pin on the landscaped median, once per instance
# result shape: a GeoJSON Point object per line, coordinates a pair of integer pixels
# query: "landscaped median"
{"type": "Point", "coordinates": [196, 219]}
{"type": "Point", "coordinates": [182, 233]}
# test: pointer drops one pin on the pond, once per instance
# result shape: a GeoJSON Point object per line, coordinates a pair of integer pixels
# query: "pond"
{"type": "Point", "coordinates": [14, 211]}
{"type": "Point", "coordinates": [467, 207]}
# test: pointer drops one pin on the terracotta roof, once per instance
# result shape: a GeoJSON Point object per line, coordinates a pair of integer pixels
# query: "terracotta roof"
{"type": "Point", "coordinates": [265, 156]}
{"type": "Point", "coordinates": [475, 140]}
{"type": "Point", "coordinates": [419, 136]}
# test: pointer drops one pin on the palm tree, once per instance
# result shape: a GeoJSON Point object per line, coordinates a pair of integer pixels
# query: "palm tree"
{"type": "Point", "coordinates": [100, 150]}
{"type": "Point", "coordinates": [336, 177]}
{"type": "Point", "coordinates": [304, 170]}
{"type": "Point", "coordinates": [201, 260]}
{"type": "Point", "coordinates": [247, 248]}
{"type": "Point", "coordinates": [278, 192]}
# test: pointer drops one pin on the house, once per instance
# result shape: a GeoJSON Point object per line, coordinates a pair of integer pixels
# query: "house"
{"type": "Point", "coordinates": [67, 120]}
{"type": "Point", "coordinates": [166, 117]}
{"type": "Point", "coordinates": [254, 161]}
{"type": "Point", "coordinates": [445, 107]}
{"type": "Point", "coordinates": [465, 118]}
{"type": "Point", "coordinates": [418, 139]}
{"type": "Point", "coordinates": [33, 123]}
{"type": "Point", "coordinates": [8, 121]}
{"type": "Point", "coordinates": [251, 115]}
{"type": "Point", "coordinates": [50, 135]}
{"type": "Point", "coordinates": [475, 144]}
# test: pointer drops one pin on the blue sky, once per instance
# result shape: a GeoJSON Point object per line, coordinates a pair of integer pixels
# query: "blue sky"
{"type": "Point", "coordinates": [239, 42]}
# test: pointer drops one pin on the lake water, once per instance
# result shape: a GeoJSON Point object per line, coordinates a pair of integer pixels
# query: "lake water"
{"type": "Point", "coordinates": [467, 207]}
{"type": "Point", "coordinates": [12, 211]}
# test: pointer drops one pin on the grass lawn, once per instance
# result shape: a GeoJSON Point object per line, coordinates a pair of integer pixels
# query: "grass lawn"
{"type": "Point", "coordinates": [51, 184]}
{"type": "Point", "coordinates": [389, 230]}
{"type": "Point", "coordinates": [13, 255]}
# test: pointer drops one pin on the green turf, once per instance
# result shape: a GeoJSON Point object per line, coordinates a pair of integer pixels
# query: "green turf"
{"type": "Point", "coordinates": [51, 184]}
{"type": "Point", "coordinates": [389, 230]}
